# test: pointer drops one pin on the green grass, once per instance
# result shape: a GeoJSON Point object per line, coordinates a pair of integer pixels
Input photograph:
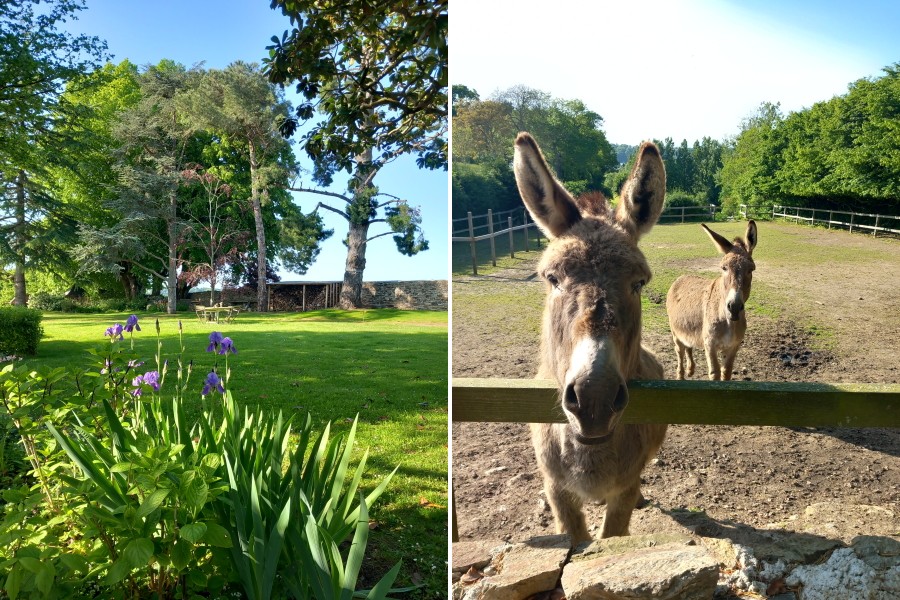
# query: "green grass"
{"type": "Point", "coordinates": [673, 250]}
{"type": "Point", "coordinates": [389, 366]}
{"type": "Point", "coordinates": [462, 252]}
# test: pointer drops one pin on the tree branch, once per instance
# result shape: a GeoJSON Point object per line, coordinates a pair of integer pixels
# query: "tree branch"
{"type": "Point", "coordinates": [379, 235]}
{"type": "Point", "coordinates": [332, 209]}
{"type": "Point", "coordinates": [321, 192]}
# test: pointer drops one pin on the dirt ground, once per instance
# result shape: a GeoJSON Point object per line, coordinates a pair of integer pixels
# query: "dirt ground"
{"type": "Point", "coordinates": [753, 476]}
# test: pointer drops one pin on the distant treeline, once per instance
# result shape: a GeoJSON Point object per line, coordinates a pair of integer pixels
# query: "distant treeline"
{"type": "Point", "coordinates": [843, 153]}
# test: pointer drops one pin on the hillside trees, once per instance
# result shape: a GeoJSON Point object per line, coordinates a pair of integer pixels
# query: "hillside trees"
{"type": "Point", "coordinates": [483, 132]}
{"type": "Point", "coordinates": [843, 153]}
{"type": "Point", "coordinates": [376, 74]}
{"type": "Point", "coordinates": [36, 62]}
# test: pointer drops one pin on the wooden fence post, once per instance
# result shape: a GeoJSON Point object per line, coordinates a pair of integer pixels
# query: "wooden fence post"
{"type": "Point", "coordinates": [491, 233]}
{"type": "Point", "coordinates": [525, 223]}
{"type": "Point", "coordinates": [512, 249]}
{"type": "Point", "coordinates": [472, 243]}
{"type": "Point", "coordinates": [830, 218]}
{"type": "Point", "coordinates": [851, 222]}
{"type": "Point", "coordinates": [875, 231]}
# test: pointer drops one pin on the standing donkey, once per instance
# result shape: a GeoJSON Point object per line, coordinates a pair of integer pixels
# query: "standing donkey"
{"type": "Point", "coordinates": [711, 313]}
{"type": "Point", "coordinates": [590, 342]}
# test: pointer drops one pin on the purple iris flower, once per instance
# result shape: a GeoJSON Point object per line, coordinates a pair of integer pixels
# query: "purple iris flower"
{"type": "Point", "coordinates": [215, 338]}
{"type": "Point", "coordinates": [151, 378]}
{"type": "Point", "coordinates": [212, 384]}
{"type": "Point", "coordinates": [115, 332]}
{"type": "Point", "coordinates": [132, 323]}
{"type": "Point", "coordinates": [227, 346]}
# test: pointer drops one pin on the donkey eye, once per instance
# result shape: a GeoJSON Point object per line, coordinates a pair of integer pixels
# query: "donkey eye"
{"type": "Point", "coordinates": [553, 280]}
{"type": "Point", "coordinates": [638, 286]}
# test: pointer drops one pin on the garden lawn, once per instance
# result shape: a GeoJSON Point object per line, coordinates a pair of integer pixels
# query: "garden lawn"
{"type": "Point", "coordinates": [387, 366]}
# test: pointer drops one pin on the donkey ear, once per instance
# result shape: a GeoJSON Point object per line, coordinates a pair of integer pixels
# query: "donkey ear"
{"type": "Point", "coordinates": [550, 205]}
{"type": "Point", "coordinates": [644, 191]}
{"type": "Point", "coordinates": [750, 237]}
{"type": "Point", "coordinates": [721, 243]}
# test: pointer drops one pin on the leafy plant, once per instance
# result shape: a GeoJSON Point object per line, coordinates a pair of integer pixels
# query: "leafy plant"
{"type": "Point", "coordinates": [291, 505]}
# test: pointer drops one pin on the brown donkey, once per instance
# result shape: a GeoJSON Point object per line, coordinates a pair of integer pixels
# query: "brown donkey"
{"type": "Point", "coordinates": [590, 342]}
{"type": "Point", "coordinates": [710, 314]}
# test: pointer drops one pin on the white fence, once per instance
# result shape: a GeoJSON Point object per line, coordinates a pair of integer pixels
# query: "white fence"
{"type": "Point", "coordinates": [837, 218]}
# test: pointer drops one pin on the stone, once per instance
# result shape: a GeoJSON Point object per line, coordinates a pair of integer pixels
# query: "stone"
{"type": "Point", "coordinates": [845, 575]}
{"type": "Point", "coordinates": [523, 570]}
{"type": "Point", "coordinates": [879, 552]}
{"type": "Point", "coordinates": [472, 554]}
{"type": "Point", "coordinates": [623, 544]}
{"type": "Point", "coordinates": [670, 571]}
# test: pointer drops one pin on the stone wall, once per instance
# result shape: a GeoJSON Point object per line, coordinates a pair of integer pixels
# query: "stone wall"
{"type": "Point", "coordinates": [407, 295]}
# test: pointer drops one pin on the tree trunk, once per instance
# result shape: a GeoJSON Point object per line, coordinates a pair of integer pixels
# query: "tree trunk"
{"type": "Point", "coordinates": [20, 297]}
{"type": "Point", "coordinates": [172, 279]}
{"type": "Point", "coordinates": [261, 304]}
{"type": "Point", "coordinates": [351, 291]}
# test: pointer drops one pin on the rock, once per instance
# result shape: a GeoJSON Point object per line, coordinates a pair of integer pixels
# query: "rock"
{"type": "Point", "coordinates": [495, 470]}
{"type": "Point", "coordinates": [673, 570]}
{"type": "Point", "coordinates": [880, 553]}
{"type": "Point", "coordinates": [845, 575]}
{"type": "Point", "coordinates": [472, 554]}
{"type": "Point", "coordinates": [523, 570]}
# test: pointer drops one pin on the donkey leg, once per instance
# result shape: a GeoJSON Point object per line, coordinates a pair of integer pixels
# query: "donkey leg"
{"type": "Point", "coordinates": [567, 513]}
{"type": "Point", "coordinates": [712, 361]}
{"type": "Point", "coordinates": [679, 351]}
{"type": "Point", "coordinates": [729, 363]}
{"type": "Point", "coordinates": [690, 361]}
{"type": "Point", "coordinates": [618, 511]}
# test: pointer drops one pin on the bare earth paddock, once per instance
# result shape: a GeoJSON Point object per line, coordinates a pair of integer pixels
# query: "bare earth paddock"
{"type": "Point", "coordinates": [824, 307]}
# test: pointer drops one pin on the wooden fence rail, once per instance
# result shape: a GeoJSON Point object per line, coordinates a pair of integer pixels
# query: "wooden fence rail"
{"type": "Point", "coordinates": [838, 218]}
{"type": "Point", "coordinates": [689, 402]}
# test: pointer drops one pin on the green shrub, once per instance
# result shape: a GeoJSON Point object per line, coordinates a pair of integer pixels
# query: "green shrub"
{"type": "Point", "coordinates": [20, 330]}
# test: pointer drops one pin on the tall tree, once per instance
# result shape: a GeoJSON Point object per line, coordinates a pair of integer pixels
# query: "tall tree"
{"type": "Point", "coordinates": [36, 62]}
{"type": "Point", "coordinates": [376, 72]}
{"type": "Point", "coordinates": [156, 146]}
{"type": "Point", "coordinates": [241, 105]}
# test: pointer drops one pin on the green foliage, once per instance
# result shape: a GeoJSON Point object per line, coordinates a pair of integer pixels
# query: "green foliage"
{"type": "Point", "coordinates": [478, 187]}
{"type": "Point", "coordinates": [159, 507]}
{"type": "Point", "coordinates": [840, 153]}
{"type": "Point", "coordinates": [20, 330]}
{"type": "Point", "coordinates": [406, 222]}
{"type": "Point", "coordinates": [376, 72]}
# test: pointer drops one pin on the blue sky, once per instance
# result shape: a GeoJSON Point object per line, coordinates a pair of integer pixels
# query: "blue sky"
{"type": "Point", "coordinates": [664, 68]}
{"type": "Point", "coordinates": [217, 33]}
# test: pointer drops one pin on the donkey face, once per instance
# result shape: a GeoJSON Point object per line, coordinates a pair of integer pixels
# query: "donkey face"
{"type": "Point", "coordinates": [737, 268]}
{"type": "Point", "coordinates": [594, 273]}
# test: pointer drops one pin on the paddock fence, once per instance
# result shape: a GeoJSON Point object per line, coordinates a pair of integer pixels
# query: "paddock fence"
{"type": "Point", "coordinates": [511, 230]}
{"type": "Point", "coordinates": [688, 403]}
{"type": "Point", "coordinates": [839, 219]}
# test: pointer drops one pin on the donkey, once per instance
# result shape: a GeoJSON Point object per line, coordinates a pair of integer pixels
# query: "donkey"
{"type": "Point", "coordinates": [590, 343]}
{"type": "Point", "coordinates": [711, 313]}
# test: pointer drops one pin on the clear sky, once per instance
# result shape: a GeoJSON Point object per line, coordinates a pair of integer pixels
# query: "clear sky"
{"type": "Point", "coordinates": [218, 32]}
{"type": "Point", "coordinates": [683, 69]}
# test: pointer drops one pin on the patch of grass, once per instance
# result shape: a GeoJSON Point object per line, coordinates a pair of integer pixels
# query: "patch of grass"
{"type": "Point", "coordinates": [462, 252]}
{"type": "Point", "coordinates": [389, 366]}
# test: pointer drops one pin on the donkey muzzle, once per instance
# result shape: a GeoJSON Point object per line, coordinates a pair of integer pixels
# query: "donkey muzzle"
{"type": "Point", "coordinates": [594, 407]}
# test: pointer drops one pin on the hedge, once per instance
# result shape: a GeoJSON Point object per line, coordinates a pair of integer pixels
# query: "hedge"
{"type": "Point", "coordinates": [20, 330]}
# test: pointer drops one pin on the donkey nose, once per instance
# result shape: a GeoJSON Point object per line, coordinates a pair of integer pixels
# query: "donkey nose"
{"type": "Point", "coordinates": [584, 395]}
{"type": "Point", "coordinates": [734, 309]}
